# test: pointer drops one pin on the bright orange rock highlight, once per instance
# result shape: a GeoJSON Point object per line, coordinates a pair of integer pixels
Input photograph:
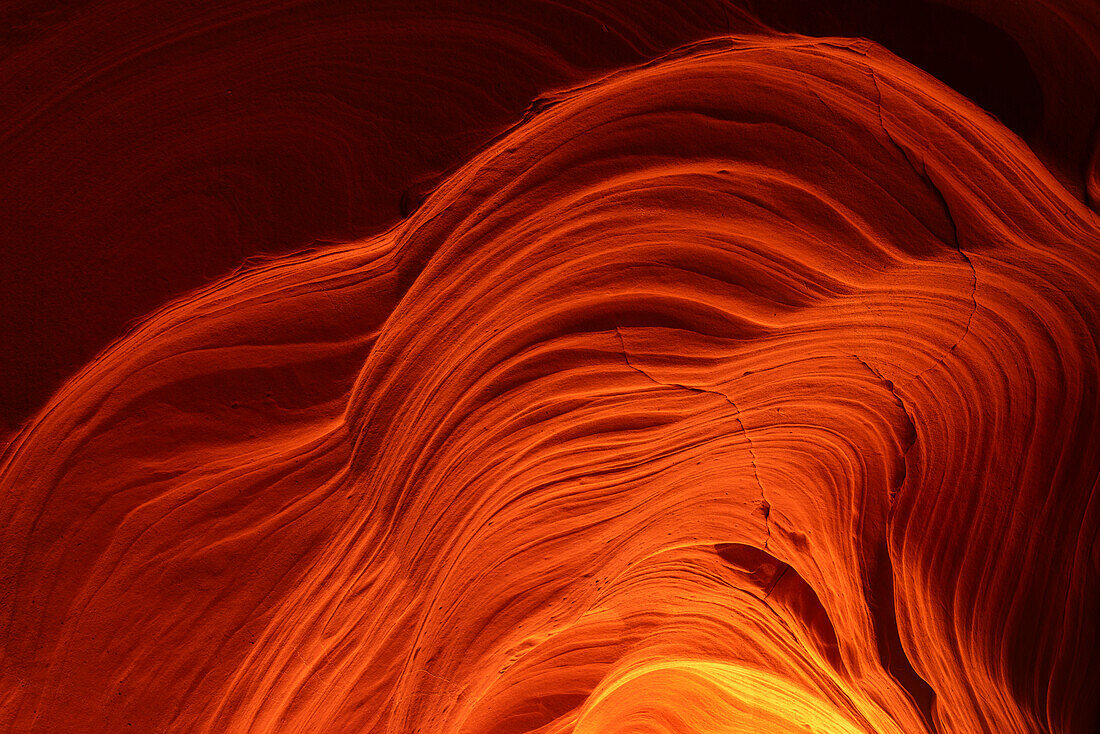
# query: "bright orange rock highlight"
{"type": "Point", "coordinates": [749, 389]}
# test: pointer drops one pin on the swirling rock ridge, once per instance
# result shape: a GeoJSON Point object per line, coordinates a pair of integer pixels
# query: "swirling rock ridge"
{"type": "Point", "coordinates": [751, 387]}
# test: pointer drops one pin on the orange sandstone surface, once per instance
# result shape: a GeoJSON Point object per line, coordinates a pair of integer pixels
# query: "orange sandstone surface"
{"type": "Point", "coordinates": [748, 389]}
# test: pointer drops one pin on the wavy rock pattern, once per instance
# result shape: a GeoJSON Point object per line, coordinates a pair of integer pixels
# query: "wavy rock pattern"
{"type": "Point", "coordinates": [751, 388]}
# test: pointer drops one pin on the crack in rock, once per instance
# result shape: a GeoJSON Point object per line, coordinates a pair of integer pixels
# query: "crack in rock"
{"type": "Point", "coordinates": [765, 506]}
{"type": "Point", "coordinates": [911, 439]}
{"type": "Point", "coordinates": [922, 172]}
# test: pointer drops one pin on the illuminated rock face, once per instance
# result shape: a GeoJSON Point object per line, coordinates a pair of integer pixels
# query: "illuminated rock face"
{"type": "Point", "coordinates": [753, 388]}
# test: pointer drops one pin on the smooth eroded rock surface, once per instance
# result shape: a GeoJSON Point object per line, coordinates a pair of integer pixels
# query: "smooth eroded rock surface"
{"type": "Point", "coordinates": [752, 387]}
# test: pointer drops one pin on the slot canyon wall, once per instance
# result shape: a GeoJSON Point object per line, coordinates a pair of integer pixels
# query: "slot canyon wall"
{"type": "Point", "coordinates": [559, 367]}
